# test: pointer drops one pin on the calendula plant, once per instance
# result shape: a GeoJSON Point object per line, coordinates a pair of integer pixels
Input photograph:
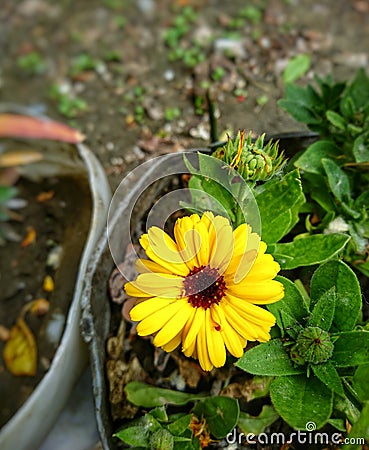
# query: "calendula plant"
{"type": "Point", "coordinates": [320, 343]}
{"type": "Point", "coordinates": [335, 168]}
{"type": "Point", "coordinates": [214, 286]}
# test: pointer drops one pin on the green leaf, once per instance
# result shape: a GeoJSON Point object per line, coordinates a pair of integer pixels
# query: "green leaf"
{"type": "Point", "coordinates": [336, 120]}
{"type": "Point", "coordinates": [338, 181]}
{"type": "Point", "coordinates": [180, 426]}
{"type": "Point", "coordinates": [323, 312]}
{"type": "Point", "coordinates": [348, 295]}
{"type": "Point", "coordinates": [279, 203]}
{"type": "Point", "coordinates": [308, 250]}
{"type": "Point", "coordinates": [6, 193]}
{"type": "Point", "coordinates": [301, 104]}
{"type": "Point", "coordinates": [360, 382]}
{"type": "Point", "coordinates": [160, 414]}
{"type": "Point", "coordinates": [257, 424]}
{"type": "Point", "coordinates": [358, 91]}
{"type": "Point", "coordinates": [361, 148]}
{"type": "Point", "coordinates": [293, 303]}
{"type": "Point", "coordinates": [296, 68]}
{"type": "Point", "coordinates": [221, 414]}
{"type": "Point", "coordinates": [269, 358]}
{"type": "Point", "coordinates": [299, 400]}
{"type": "Point", "coordinates": [329, 376]}
{"type": "Point", "coordinates": [137, 433]}
{"type": "Point", "coordinates": [142, 394]}
{"type": "Point", "coordinates": [360, 431]}
{"type": "Point", "coordinates": [311, 160]}
{"type": "Point", "coordinates": [351, 349]}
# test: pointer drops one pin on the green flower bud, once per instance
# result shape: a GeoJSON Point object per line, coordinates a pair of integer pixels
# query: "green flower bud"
{"type": "Point", "coordinates": [252, 159]}
{"type": "Point", "coordinates": [313, 345]}
{"type": "Point", "coordinates": [161, 440]}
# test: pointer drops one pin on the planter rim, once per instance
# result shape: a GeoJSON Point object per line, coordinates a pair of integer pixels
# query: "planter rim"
{"type": "Point", "coordinates": [28, 427]}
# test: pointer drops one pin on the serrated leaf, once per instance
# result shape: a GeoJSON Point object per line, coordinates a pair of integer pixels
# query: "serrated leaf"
{"type": "Point", "coordinates": [348, 301]}
{"type": "Point", "coordinates": [328, 375]}
{"type": "Point", "coordinates": [311, 400]}
{"type": "Point", "coordinates": [279, 203]}
{"type": "Point", "coordinates": [311, 160]}
{"type": "Point", "coordinates": [142, 394]}
{"type": "Point", "coordinates": [257, 424]}
{"type": "Point", "coordinates": [351, 349]}
{"type": "Point", "coordinates": [269, 358]}
{"type": "Point", "coordinates": [296, 68]}
{"type": "Point", "coordinates": [308, 250]}
{"type": "Point", "coordinates": [221, 414]}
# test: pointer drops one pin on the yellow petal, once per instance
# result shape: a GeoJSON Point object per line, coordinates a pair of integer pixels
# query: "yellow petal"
{"type": "Point", "coordinates": [243, 327]}
{"type": "Point", "coordinates": [155, 321]}
{"type": "Point", "coordinates": [201, 241]}
{"type": "Point", "coordinates": [223, 245]}
{"type": "Point", "coordinates": [173, 344]}
{"type": "Point", "coordinates": [184, 235]}
{"type": "Point", "coordinates": [215, 343]}
{"type": "Point", "coordinates": [251, 312]}
{"type": "Point", "coordinates": [271, 290]}
{"type": "Point", "coordinates": [147, 266]}
{"type": "Point", "coordinates": [193, 331]}
{"type": "Point", "coordinates": [202, 349]}
{"type": "Point", "coordinates": [147, 307]}
{"type": "Point", "coordinates": [163, 255]}
{"type": "Point", "coordinates": [174, 325]}
{"type": "Point", "coordinates": [233, 341]}
{"type": "Point", "coordinates": [155, 285]}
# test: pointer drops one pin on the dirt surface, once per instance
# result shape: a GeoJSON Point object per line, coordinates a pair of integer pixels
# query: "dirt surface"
{"type": "Point", "coordinates": [106, 66]}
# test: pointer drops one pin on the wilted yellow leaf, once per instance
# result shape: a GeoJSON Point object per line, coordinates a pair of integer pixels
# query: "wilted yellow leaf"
{"type": "Point", "coordinates": [19, 158]}
{"type": "Point", "coordinates": [20, 352]}
{"type": "Point", "coordinates": [48, 284]}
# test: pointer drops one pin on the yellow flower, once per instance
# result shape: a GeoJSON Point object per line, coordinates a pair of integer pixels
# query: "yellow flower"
{"type": "Point", "coordinates": [202, 289]}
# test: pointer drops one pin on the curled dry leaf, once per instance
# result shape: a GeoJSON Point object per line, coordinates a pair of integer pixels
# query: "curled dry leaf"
{"type": "Point", "coordinates": [15, 125]}
{"type": "Point", "coordinates": [45, 196]}
{"type": "Point", "coordinates": [30, 237]}
{"type": "Point", "coordinates": [40, 307]}
{"type": "Point", "coordinates": [20, 352]}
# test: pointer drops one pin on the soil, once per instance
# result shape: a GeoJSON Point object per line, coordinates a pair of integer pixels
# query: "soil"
{"type": "Point", "coordinates": [131, 86]}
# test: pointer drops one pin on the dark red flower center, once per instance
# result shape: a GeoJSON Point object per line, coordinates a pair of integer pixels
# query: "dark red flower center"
{"type": "Point", "coordinates": [204, 286]}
